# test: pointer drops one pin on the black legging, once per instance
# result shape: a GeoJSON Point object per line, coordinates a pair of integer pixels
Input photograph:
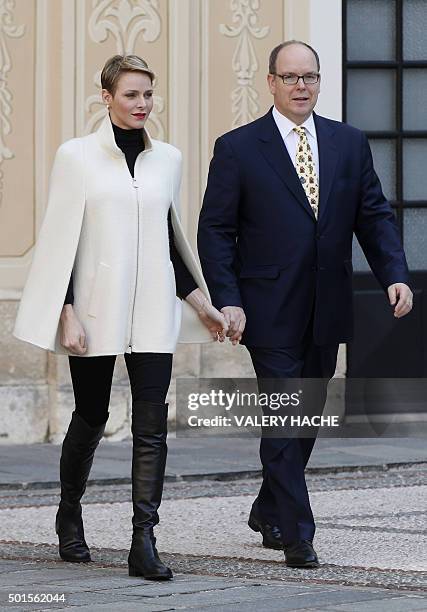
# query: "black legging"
{"type": "Point", "coordinates": [149, 376]}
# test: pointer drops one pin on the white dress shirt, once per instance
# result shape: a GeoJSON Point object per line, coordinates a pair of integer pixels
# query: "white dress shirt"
{"type": "Point", "coordinates": [291, 138]}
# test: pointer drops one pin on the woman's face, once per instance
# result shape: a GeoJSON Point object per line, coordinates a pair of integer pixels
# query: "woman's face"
{"type": "Point", "coordinates": [132, 102]}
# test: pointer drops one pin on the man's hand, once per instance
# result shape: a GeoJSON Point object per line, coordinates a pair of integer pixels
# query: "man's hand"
{"type": "Point", "coordinates": [401, 297]}
{"type": "Point", "coordinates": [236, 319]}
{"type": "Point", "coordinates": [73, 336]}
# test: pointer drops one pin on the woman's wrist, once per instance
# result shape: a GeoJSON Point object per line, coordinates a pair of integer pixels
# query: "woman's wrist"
{"type": "Point", "coordinates": [197, 300]}
{"type": "Point", "coordinates": [67, 311]}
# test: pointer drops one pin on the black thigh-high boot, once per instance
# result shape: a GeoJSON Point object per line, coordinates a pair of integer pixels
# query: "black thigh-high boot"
{"type": "Point", "coordinates": [77, 454]}
{"type": "Point", "coordinates": [149, 429]}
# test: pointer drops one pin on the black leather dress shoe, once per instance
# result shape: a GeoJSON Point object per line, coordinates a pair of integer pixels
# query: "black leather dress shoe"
{"type": "Point", "coordinates": [271, 535]}
{"type": "Point", "coordinates": [301, 554]}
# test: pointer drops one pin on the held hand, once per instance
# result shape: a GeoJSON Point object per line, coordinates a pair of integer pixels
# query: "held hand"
{"type": "Point", "coordinates": [401, 297]}
{"type": "Point", "coordinates": [73, 337]}
{"type": "Point", "coordinates": [236, 320]}
{"type": "Point", "coordinates": [208, 314]}
{"type": "Point", "coordinates": [214, 321]}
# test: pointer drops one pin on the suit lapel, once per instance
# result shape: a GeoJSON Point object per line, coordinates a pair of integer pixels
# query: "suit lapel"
{"type": "Point", "coordinates": [275, 152]}
{"type": "Point", "coordinates": [328, 158]}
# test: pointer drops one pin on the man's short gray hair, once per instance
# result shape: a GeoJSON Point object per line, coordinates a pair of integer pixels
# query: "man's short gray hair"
{"type": "Point", "coordinates": [287, 43]}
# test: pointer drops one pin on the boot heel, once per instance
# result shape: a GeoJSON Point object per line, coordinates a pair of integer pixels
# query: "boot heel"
{"type": "Point", "coordinates": [134, 572]}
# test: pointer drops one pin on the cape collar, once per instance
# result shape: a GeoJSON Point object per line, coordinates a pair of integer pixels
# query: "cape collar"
{"type": "Point", "coordinates": [107, 140]}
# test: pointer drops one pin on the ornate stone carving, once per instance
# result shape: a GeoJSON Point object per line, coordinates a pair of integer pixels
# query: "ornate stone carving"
{"type": "Point", "coordinates": [244, 98]}
{"type": "Point", "coordinates": [125, 20]}
{"type": "Point", "coordinates": [7, 30]}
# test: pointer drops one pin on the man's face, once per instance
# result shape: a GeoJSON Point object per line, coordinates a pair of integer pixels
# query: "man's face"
{"type": "Point", "coordinates": [296, 102]}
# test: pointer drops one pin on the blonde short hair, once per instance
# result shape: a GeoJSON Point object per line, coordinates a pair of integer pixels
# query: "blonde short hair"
{"type": "Point", "coordinates": [117, 65]}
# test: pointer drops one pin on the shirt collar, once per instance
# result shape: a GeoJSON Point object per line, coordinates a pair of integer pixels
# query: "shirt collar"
{"type": "Point", "coordinates": [106, 137]}
{"type": "Point", "coordinates": [286, 126]}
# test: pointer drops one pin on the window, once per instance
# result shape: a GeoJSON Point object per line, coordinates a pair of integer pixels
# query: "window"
{"type": "Point", "coordinates": [385, 94]}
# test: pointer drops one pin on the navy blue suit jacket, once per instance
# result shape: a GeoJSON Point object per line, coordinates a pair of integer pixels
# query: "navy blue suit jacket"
{"type": "Point", "coordinates": [261, 247]}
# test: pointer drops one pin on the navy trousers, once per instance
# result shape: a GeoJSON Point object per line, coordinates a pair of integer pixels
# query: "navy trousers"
{"type": "Point", "coordinates": [283, 497]}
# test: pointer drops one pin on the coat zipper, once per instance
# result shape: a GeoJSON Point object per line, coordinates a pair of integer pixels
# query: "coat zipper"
{"type": "Point", "coordinates": [135, 186]}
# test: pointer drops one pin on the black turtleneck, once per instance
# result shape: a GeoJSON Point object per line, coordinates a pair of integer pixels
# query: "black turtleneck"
{"type": "Point", "coordinates": [132, 144]}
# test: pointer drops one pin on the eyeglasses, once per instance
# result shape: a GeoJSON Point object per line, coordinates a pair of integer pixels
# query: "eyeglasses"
{"type": "Point", "coordinates": [292, 79]}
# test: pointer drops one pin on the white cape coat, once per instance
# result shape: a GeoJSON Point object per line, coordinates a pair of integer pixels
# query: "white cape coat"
{"type": "Point", "coordinates": [111, 230]}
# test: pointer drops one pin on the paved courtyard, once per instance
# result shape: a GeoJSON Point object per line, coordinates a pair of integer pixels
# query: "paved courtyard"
{"type": "Point", "coordinates": [370, 540]}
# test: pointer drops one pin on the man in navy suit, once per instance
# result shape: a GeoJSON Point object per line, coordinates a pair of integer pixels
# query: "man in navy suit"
{"type": "Point", "coordinates": [285, 194]}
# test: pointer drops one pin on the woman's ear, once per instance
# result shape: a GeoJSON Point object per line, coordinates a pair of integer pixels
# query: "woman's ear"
{"type": "Point", "coordinates": [106, 96]}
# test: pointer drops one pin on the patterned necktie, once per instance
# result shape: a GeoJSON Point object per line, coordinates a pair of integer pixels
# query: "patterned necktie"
{"type": "Point", "coordinates": [306, 170]}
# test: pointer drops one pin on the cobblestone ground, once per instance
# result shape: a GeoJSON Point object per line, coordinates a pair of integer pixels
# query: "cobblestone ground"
{"type": "Point", "coordinates": [370, 540]}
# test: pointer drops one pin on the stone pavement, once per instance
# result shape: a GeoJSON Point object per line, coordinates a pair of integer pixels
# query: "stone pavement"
{"type": "Point", "coordinates": [37, 464]}
{"type": "Point", "coordinates": [110, 589]}
{"type": "Point", "coordinates": [368, 496]}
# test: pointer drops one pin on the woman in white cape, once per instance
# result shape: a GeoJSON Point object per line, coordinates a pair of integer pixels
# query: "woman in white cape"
{"type": "Point", "coordinates": [113, 273]}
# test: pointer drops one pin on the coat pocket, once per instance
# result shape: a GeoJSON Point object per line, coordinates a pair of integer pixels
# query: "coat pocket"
{"type": "Point", "coordinates": [99, 290]}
